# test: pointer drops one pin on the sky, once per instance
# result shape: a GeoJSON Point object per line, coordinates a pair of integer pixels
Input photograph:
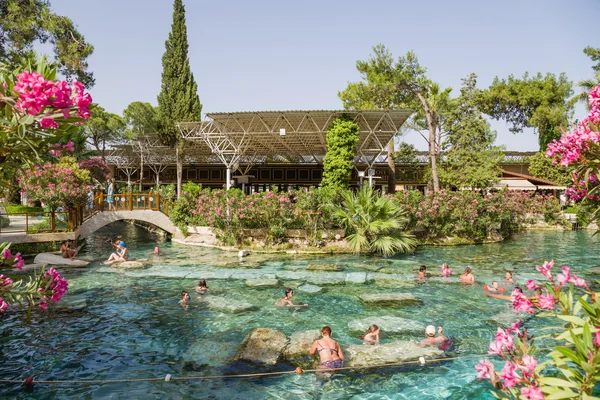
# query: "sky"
{"type": "Point", "coordinates": [297, 55]}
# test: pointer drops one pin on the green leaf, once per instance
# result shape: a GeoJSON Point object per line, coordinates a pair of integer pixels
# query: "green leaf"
{"type": "Point", "coordinates": [562, 394]}
{"type": "Point", "coordinates": [573, 319]}
{"type": "Point", "coordinates": [587, 336]}
{"type": "Point", "coordinates": [570, 354]}
{"type": "Point", "coordinates": [557, 382]}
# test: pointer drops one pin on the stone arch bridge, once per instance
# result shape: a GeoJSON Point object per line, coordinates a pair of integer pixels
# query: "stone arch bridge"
{"type": "Point", "coordinates": [101, 219]}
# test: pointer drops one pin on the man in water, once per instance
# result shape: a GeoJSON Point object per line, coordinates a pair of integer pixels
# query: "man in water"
{"type": "Point", "coordinates": [431, 339]}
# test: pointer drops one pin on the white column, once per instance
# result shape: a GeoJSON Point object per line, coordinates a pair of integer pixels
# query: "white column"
{"type": "Point", "coordinates": [228, 178]}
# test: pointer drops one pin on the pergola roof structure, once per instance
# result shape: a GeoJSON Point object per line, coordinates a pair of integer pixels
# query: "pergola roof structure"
{"type": "Point", "coordinates": [296, 136]}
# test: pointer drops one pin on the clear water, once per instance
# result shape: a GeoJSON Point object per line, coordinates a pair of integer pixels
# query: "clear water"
{"type": "Point", "coordinates": [133, 326]}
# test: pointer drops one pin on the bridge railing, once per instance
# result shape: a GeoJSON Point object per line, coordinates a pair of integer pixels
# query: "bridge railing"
{"type": "Point", "coordinates": [128, 202]}
{"type": "Point", "coordinates": [40, 222]}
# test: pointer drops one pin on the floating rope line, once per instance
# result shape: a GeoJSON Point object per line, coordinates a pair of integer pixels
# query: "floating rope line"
{"type": "Point", "coordinates": [30, 381]}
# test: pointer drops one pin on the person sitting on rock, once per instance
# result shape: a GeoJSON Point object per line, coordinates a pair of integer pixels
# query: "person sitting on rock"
{"type": "Point", "coordinates": [330, 352]}
{"type": "Point", "coordinates": [431, 339]}
{"type": "Point", "coordinates": [467, 276]}
{"type": "Point", "coordinates": [121, 255]}
{"type": "Point", "coordinates": [68, 251]}
{"type": "Point", "coordinates": [422, 274]}
{"type": "Point", "coordinates": [286, 301]}
{"type": "Point", "coordinates": [372, 335]}
{"type": "Point", "coordinates": [202, 287]}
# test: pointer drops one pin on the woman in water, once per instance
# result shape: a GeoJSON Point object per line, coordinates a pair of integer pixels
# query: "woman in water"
{"type": "Point", "coordinates": [509, 278]}
{"type": "Point", "coordinates": [121, 254]}
{"type": "Point", "coordinates": [202, 287]}
{"type": "Point", "coordinates": [286, 301]}
{"type": "Point", "coordinates": [330, 352]}
{"type": "Point", "coordinates": [467, 276]}
{"type": "Point", "coordinates": [372, 335]}
{"type": "Point", "coordinates": [445, 270]}
{"type": "Point", "coordinates": [185, 299]}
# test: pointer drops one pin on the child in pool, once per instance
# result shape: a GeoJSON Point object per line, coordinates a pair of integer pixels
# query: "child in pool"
{"type": "Point", "coordinates": [372, 335]}
{"type": "Point", "coordinates": [494, 287]}
{"type": "Point", "coordinates": [445, 270]}
{"type": "Point", "coordinates": [185, 299]}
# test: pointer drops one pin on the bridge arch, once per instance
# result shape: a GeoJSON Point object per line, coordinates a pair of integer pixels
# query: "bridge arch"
{"type": "Point", "coordinates": [101, 219]}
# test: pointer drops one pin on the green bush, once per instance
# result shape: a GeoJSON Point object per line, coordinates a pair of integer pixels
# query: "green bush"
{"type": "Point", "coordinates": [4, 221]}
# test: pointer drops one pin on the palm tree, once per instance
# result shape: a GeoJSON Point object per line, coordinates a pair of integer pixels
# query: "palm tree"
{"type": "Point", "coordinates": [375, 223]}
{"type": "Point", "coordinates": [586, 86]}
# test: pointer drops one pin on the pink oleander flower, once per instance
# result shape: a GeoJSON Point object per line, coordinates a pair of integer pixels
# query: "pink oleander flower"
{"type": "Point", "coordinates": [509, 374]}
{"type": "Point", "coordinates": [547, 301]}
{"type": "Point", "coordinates": [495, 348]}
{"type": "Point", "coordinates": [46, 123]}
{"type": "Point", "coordinates": [529, 363]}
{"type": "Point", "coordinates": [5, 281]}
{"type": "Point", "coordinates": [532, 393]}
{"type": "Point", "coordinates": [3, 305]}
{"type": "Point", "coordinates": [515, 328]}
{"type": "Point", "coordinates": [597, 337]}
{"type": "Point", "coordinates": [577, 281]}
{"type": "Point", "coordinates": [565, 277]}
{"type": "Point", "coordinates": [504, 339]}
{"type": "Point", "coordinates": [19, 263]}
{"type": "Point", "coordinates": [520, 302]}
{"type": "Point", "coordinates": [530, 285]}
{"type": "Point", "coordinates": [484, 369]}
{"type": "Point", "coordinates": [545, 269]}
{"type": "Point", "coordinates": [43, 305]}
{"type": "Point", "coordinates": [7, 254]}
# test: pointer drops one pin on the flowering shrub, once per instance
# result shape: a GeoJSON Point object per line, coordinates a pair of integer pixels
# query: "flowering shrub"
{"type": "Point", "coordinates": [40, 289]}
{"type": "Point", "coordinates": [471, 215]}
{"type": "Point", "coordinates": [99, 171]}
{"type": "Point", "coordinates": [581, 147]}
{"type": "Point", "coordinates": [58, 184]}
{"type": "Point", "coordinates": [571, 370]}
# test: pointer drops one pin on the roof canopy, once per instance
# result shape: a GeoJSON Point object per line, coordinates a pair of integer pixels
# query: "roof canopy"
{"type": "Point", "coordinates": [297, 136]}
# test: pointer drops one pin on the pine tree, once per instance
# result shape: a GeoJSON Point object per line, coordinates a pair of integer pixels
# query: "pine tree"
{"type": "Point", "coordinates": [178, 100]}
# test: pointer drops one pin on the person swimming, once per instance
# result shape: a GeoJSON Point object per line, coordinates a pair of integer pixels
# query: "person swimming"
{"type": "Point", "coordinates": [445, 270]}
{"type": "Point", "coordinates": [467, 276]}
{"type": "Point", "coordinates": [422, 274]}
{"type": "Point", "coordinates": [185, 299]}
{"type": "Point", "coordinates": [494, 288]}
{"type": "Point", "coordinates": [372, 335]}
{"type": "Point", "coordinates": [508, 277]}
{"type": "Point", "coordinates": [156, 251]}
{"type": "Point", "coordinates": [286, 301]}
{"type": "Point", "coordinates": [330, 352]}
{"type": "Point", "coordinates": [431, 339]}
{"type": "Point", "coordinates": [202, 287]}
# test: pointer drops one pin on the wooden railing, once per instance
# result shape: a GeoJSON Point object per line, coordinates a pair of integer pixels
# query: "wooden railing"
{"type": "Point", "coordinates": [129, 202]}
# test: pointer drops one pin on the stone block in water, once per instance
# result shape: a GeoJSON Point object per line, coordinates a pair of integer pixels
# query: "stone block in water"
{"type": "Point", "coordinates": [360, 355]}
{"type": "Point", "coordinates": [227, 304]}
{"type": "Point", "coordinates": [297, 350]}
{"type": "Point", "coordinates": [389, 298]}
{"type": "Point", "coordinates": [368, 267]}
{"type": "Point", "coordinates": [259, 283]}
{"type": "Point", "coordinates": [308, 288]}
{"type": "Point", "coordinates": [356, 277]}
{"type": "Point", "coordinates": [129, 265]}
{"type": "Point", "coordinates": [387, 324]}
{"type": "Point", "coordinates": [262, 346]}
{"type": "Point", "coordinates": [327, 278]}
{"type": "Point", "coordinates": [324, 267]}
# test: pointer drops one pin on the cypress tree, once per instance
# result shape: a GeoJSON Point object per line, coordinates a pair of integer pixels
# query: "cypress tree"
{"type": "Point", "coordinates": [178, 99]}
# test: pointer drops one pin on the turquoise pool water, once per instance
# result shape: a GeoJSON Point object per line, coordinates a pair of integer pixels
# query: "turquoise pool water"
{"type": "Point", "coordinates": [133, 326]}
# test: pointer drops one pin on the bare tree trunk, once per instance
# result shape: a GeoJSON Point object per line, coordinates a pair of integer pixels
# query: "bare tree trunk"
{"type": "Point", "coordinates": [179, 152]}
{"type": "Point", "coordinates": [141, 171]}
{"type": "Point", "coordinates": [391, 168]}
{"type": "Point", "coordinates": [432, 140]}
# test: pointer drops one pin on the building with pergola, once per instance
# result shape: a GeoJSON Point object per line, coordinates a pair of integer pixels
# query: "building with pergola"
{"type": "Point", "coordinates": [256, 150]}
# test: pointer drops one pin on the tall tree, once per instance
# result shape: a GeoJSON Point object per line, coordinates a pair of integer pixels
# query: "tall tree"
{"type": "Point", "coordinates": [588, 84]}
{"type": "Point", "coordinates": [26, 22]}
{"type": "Point", "coordinates": [103, 128]}
{"type": "Point", "coordinates": [539, 102]}
{"type": "Point", "coordinates": [342, 138]}
{"type": "Point", "coordinates": [389, 84]}
{"type": "Point", "coordinates": [140, 119]}
{"type": "Point", "coordinates": [472, 160]}
{"type": "Point", "coordinates": [178, 100]}
{"type": "Point", "coordinates": [594, 54]}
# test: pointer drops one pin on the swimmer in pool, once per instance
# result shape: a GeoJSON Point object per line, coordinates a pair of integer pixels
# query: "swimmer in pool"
{"type": "Point", "coordinates": [467, 276]}
{"type": "Point", "coordinates": [422, 274]}
{"type": "Point", "coordinates": [494, 287]}
{"type": "Point", "coordinates": [202, 287]}
{"type": "Point", "coordinates": [509, 278]}
{"type": "Point", "coordinates": [156, 251]}
{"type": "Point", "coordinates": [330, 352]}
{"type": "Point", "coordinates": [431, 339]}
{"type": "Point", "coordinates": [372, 335]}
{"type": "Point", "coordinates": [445, 270]}
{"type": "Point", "coordinates": [185, 299]}
{"type": "Point", "coordinates": [286, 301]}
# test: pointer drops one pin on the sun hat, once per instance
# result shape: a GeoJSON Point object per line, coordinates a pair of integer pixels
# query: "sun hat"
{"type": "Point", "coordinates": [122, 244]}
{"type": "Point", "coordinates": [430, 330]}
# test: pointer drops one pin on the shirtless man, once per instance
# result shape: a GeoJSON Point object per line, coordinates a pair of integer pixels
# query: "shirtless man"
{"type": "Point", "coordinates": [467, 276]}
{"type": "Point", "coordinates": [286, 301]}
{"type": "Point", "coordinates": [67, 251]}
{"type": "Point", "coordinates": [431, 339]}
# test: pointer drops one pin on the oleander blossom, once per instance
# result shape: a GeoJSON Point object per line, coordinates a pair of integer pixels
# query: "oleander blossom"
{"type": "Point", "coordinates": [520, 302]}
{"type": "Point", "coordinates": [547, 301]}
{"type": "Point", "coordinates": [532, 393]}
{"type": "Point", "coordinates": [545, 269]}
{"type": "Point", "coordinates": [530, 285]}
{"type": "Point", "coordinates": [58, 285]}
{"type": "Point", "coordinates": [529, 363]}
{"type": "Point", "coordinates": [597, 337]}
{"type": "Point", "coordinates": [509, 374]}
{"type": "Point", "coordinates": [3, 305]}
{"type": "Point", "coordinates": [485, 369]}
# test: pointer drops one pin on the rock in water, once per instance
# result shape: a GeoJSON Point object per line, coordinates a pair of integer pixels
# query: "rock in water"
{"type": "Point", "coordinates": [360, 355]}
{"type": "Point", "coordinates": [262, 346]}
{"type": "Point", "coordinates": [308, 288]}
{"type": "Point", "coordinates": [387, 324]}
{"type": "Point", "coordinates": [297, 349]}
{"type": "Point", "coordinates": [324, 267]}
{"type": "Point", "coordinates": [265, 282]}
{"type": "Point", "coordinates": [389, 298]}
{"type": "Point", "coordinates": [356, 277]}
{"type": "Point", "coordinates": [243, 253]}
{"type": "Point", "coordinates": [227, 304]}
{"type": "Point", "coordinates": [57, 259]}
{"type": "Point", "coordinates": [129, 265]}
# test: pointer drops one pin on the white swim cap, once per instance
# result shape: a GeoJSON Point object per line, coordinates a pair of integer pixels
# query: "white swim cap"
{"type": "Point", "coordinates": [430, 330]}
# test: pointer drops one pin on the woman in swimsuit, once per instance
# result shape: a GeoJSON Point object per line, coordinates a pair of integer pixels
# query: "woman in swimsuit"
{"type": "Point", "coordinates": [330, 352]}
{"type": "Point", "coordinates": [202, 287]}
{"type": "Point", "coordinates": [509, 278]}
{"type": "Point", "coordinates": [372, 335]}
{"type": "Point", "coordinates": [467, 276]}
{"type": "Point", "coordinates": [286, 301]}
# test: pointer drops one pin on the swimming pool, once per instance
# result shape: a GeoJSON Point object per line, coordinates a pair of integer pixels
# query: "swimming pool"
{"type": "Point", "coordinates": [133, 326]}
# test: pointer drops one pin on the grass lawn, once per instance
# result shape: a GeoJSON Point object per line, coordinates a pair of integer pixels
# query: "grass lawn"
{"type": "Point", "coordinates": [17, 208]}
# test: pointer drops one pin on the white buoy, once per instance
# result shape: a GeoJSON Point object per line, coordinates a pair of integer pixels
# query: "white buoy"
{"type": "Point", "coordinates": [422, 360]}
{"type": "Point", "coordinates": [168, 378]}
